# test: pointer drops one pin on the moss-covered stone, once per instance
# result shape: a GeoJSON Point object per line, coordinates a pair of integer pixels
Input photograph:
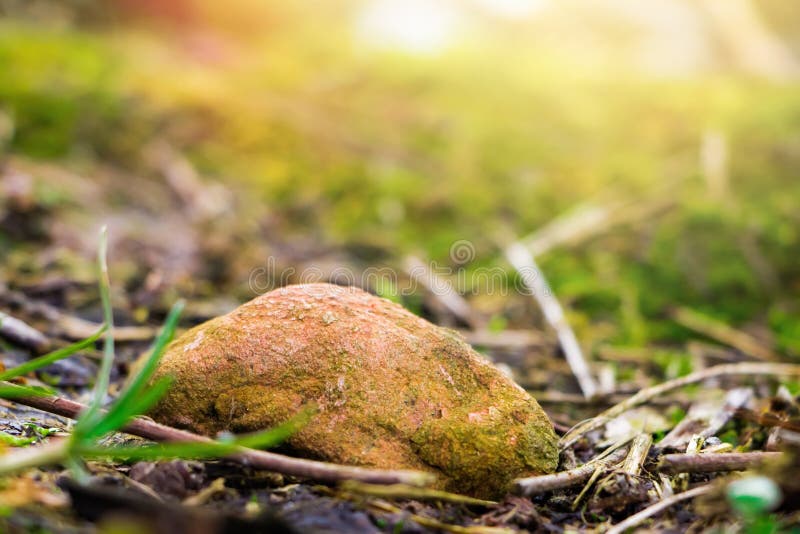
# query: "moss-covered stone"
{"type": "Point", "coordinates": [393, 390]}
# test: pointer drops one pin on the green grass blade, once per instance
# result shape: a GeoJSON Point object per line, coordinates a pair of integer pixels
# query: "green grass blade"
{"type": "Point", "coordinates": [135, 399]}
{"type": "Point", "coordinates": [47, 359]}
{"type": "Point", "coordinates": [89, 417]}
{"type": "Point", "coordinates": [211, 449]}
{"type": "Point", "coordinates": [15, 441]}
{"type": "Point", "coordinates": [275, 436]}
{"type": "Point", "coordinates": [74, 463]}
{"type": "Point", "coordinates": [12, 391]}
{"type": "Point", "coordinates": [138, 383]}
{"type": "Point", "coordinates": [121, 413]}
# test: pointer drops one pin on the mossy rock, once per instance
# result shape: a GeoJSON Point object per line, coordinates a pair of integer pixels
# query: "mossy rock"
{"type": "Point", "coordinates": [393, 390]}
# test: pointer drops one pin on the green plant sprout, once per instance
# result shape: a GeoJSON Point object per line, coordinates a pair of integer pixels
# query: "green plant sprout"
{"type": "Point", "coordinates": [136, 398]}
{"type": "Point", "coordinates": [753, 498]}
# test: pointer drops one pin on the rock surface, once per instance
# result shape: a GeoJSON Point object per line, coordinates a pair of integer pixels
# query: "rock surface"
{"type": "Point", "coordinates": [393, 390]}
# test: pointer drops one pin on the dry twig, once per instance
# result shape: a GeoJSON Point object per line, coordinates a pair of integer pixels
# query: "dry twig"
{"type": "Point", "coordinates": [522, 260]}
{"type": "Point", "coordinates": [723, 333]}
{"type": "Point", "coordinates": [442, 290]}
{"type": "Point", "coordinates": [268, 461]}
{"type": "Point", "coordinates": [713, 462]}
{"type": "Point", "coordinates": [637, 454]}
{"type": "Point", "coordinates": [507, 339]}
{"type": "Point", "coordinates": [704, 424]}
{"type": "Point", "coordinates": [652, 510]}
{"type": "Point", "coordinates": [775, 369]}
{"type": "Point", "coordinates": [404, 491]}
{"type": "Point", "coordinates": [565, 479]}
{"type": "Point", "coordinates": [69, 326]}
{"type": "Point", "coordinates": [436, 524]}
{"type": "Point", "coordinates": [23, 334]}
{"type": "Point", "coordinates": [589, 220]}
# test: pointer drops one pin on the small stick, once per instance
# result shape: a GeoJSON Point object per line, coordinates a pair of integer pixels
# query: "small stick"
{"type": "Point", "coordinates": [588, 220]}
{"type": "Point", "coordinates": [780, 438]}
{"type": "Point", "coordinates": [442, 290]}
{"type": "Point", "coordinates": [404, 491]}
{"type": "Point", "coordinates": [435, 524]}
{"type": "Point", "coordinates": [746, 368]}
{"type": "Point", "coordinates": [652, 510]}
{"type": "Point", "coordinates": [565, 479]}
{"type": "Point", "coordinates": [507, 339]}
{"type": "Point", "coordinates": [48, 453]}
{"type": "Point", "coordinates": [557, 397]}
{"type": "Point", "coordinates": [637, 454]}
{"type": "Point", "coordinates": [599, 470]}
{"type": "Point", "coordinates": [699, 421]}
{"type": "Point", "coordinates": [69, 326]}
{"type": "Point", "coordinates": [268, 461]}
{"type": "Point", "coordinates": [723, 333]}
{"type": "Point", "coordinates": [522, 260]}
{"type": "Point", "coordinates": [714, 462]}
{"type": "Point", "coordinates": [20, 332]}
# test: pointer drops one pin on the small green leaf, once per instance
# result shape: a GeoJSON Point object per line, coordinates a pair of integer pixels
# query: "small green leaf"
{"type": "Point", "coordinates": [754, 495]}
{"type": "Point", "coordinates": [15, 441]}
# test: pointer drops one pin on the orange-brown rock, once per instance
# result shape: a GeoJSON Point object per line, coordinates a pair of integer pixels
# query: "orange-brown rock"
{"type": "Point", "coordinates": [393, 390]}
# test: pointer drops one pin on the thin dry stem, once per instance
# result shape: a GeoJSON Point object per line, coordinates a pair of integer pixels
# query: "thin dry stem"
{"type": "Point", "coordinates": [723, 333]}
{"type": "Point", "coordinates": [404, 491]}
{"type": "Point", "coordinates": [656, 508]}
{"type": "Point", "coordinates": [68, 326]}
{"type": "Point", "coordinates": [565, 479]}
{"type": "Point", "coordinates": [523, 261]}
{"type": "Point", "coordinates": [269, 461]}
{"type": "Point", "coordinates": [637, 454]}
{"type": "Point", "coordinates": [714, 462]}
{"type": "Point", "coordinates": [50, 453]}
{"type": "Point", "coordinates": [438, 525]}
{"type": "Point", "coordinates": [700, 421]}
{"type": "Point", "coordinates": [22, 333]}
{"type": "Point", "coordinates": [507, 339]}
{"type": "Point", "coordinates": [442, 290]}
{"type": "Point", "coordinates": [747, 368]}
{"type": "Point", "coordinates": [589, 220]}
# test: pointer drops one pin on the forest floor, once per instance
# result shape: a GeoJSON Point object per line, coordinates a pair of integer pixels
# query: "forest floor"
{"type": "Point", "coordinates": [176, 236]}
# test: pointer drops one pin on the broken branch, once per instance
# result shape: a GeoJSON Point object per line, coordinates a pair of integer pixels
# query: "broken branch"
{"type": "Point", "coordinates": [714, 463]}
{"type": "Point", "coordinates": [269, 461]}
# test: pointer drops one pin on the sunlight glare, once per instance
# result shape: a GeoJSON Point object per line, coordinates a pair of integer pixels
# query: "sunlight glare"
{"type": "Point", "coordinates": [512, 8]}
{"type": "Point", "coordinates": [417, 26]}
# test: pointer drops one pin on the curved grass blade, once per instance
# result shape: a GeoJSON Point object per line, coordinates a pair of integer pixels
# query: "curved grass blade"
{"type": "Point", "coordinates": [201, 450]}
{"type": "Point", "coordinates": [138, 383]}
{"type": "Point", "coordinates": [13, 391]}
{"type": "Point", "coordinates": [120, 414]}
{"type": "Point", "coordinates": [276, 435]}
{"type": "Point", "coordinates": [47, 359]}
{"type": "Point", "coordinates": [103, 377]}
{"type": "Point", "coordinates": [104, 374]}
{"type": "Point", "coordinates": [184, 450]}
{"type": "Point", "coordinates": [135, 399]}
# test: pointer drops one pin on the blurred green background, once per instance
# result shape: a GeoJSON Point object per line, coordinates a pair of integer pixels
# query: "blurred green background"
{"type": "Point", "coordinates": [409, 125]}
